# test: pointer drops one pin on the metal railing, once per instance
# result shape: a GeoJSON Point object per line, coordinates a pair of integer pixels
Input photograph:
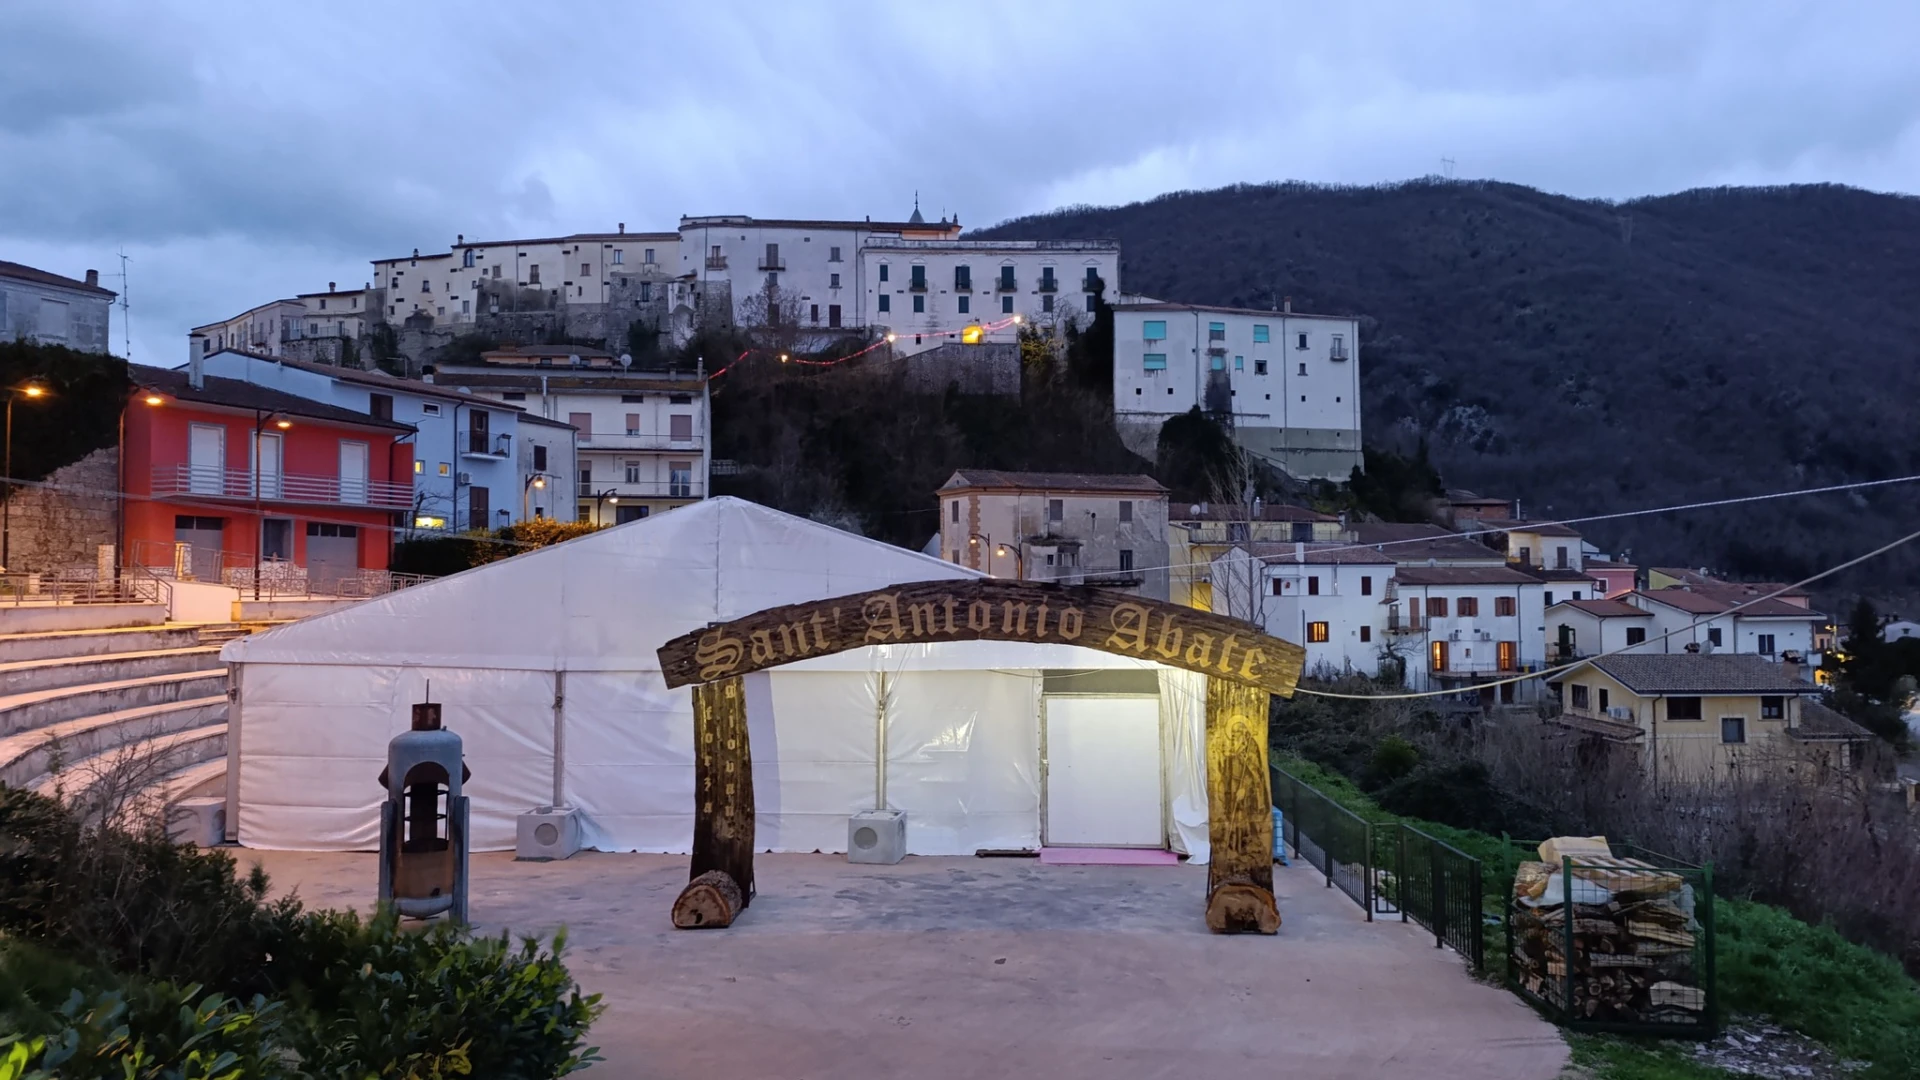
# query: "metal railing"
{"type": "Point", "coordinates": [217, 483]}
{"type": "Point", "coordinates": [1331, 838]}
{"type": "Point", "coordinates": [82, 585]}
{"type": "Point", "coordinates": [1440, 887]}
{"type": "Point", "coordinates": [1387, 868]}
{"type": "Point", "coordinates": [716, 262]}
{"type": "Point", "coordinates": [632, 440]}
{"type": "Point", "coordinates": [160, 562]}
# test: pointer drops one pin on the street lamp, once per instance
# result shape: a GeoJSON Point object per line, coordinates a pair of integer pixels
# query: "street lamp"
{"type": "Point", "coordinates": [611, 495]}
{"type": "Point", "coordinates": [537, 480]}
{"type": "Point", "coordinates": [26, 390]}
{"type": "Point", "coordinates": [1019, 561]}
{"type": "Point", "coordinates": [973, 541]}
{"type": "Point", "coordinates": [260, 418]}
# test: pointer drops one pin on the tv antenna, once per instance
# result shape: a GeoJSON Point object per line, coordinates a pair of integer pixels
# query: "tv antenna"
{"type": "Point", "coordinates": [126, 325]}
{"type": "Point", "coordinates": [1446, 167]}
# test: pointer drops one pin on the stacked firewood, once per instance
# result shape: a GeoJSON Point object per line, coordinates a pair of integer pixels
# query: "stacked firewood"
{"type": "Point", "coordinates": [1624, 942]}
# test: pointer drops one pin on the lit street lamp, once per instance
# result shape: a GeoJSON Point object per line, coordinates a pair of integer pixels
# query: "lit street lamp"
{"type": "Point", "coordinates": [537, 480]}
{"type": "Point", "coordinates": [260, 418]}
{"type": "Point", "coordinates": [27, 390]}
{"type": "Point", "coordinates": [610, 495]}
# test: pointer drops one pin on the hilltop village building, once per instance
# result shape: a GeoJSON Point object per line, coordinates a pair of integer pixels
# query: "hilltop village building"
{"type": "Point", "coordinates": [1071, 528]}
{"type": "Point", "coordinates": [1286, 383]}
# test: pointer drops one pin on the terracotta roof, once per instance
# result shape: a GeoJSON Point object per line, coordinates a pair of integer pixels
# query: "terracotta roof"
{"type": "Point", "coordinates": [23, 272]}
{"type": "Point", "coordinates": [654, 237]}
{"type": "Point", "coordinates": [1461, 575]}
{"type": "Point", "coordinates": [1538, 528]}
{"type": "Point", "coordinates": [1550, 574]}
{"type": "Point", "coordinates": [1380, 532]}
{"type": "Point", "coordinates": [1462, 497]}
{"type": "Point", "coordinates": [1280, 512]}
{"type": "Point", "coordinates": [1441, 549]}
{"type": "Point", "coordinates": [1281, 552]}
{"type": "Point", "coordinates": [1818, 723]}
{"type": "Point", "coordinates": [560, 379]}
{"type": "Point", "coordinates": [1702, 582]}
{"type": "Point", "coordinates": [1697, 673]}
{"type": "Point", "coordinates": [1593, 563]}
{"type": "Point", "coordinates": [1045, 481]}
{"type": "Point", "coordinates": [1694, 602]}
{"type": "Point", "coordinates": [727, 221]}
{"type": "Point", "coordinates": [1616, 730]}
{"type": "Point", "coordinates": [235, 394]}
{"type": "Point", "coordinates": [1607, 609]}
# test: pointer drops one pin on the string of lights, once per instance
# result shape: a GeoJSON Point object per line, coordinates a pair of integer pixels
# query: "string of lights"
{"type": "Point", "coordinates": [971, 331]}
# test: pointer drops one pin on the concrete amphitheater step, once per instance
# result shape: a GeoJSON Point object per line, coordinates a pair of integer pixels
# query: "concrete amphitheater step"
{"type": "Point", "coordinates": [18, 648]}
{"type": "Point", "coordinates": [143, 763]}
{"type": "Point", "coordinates": [208, 778]}
{"type": "Point", "coordinates": [39, 708]}
{"type": "Point", "coordinates": [53, 673]}
{"type": "Point", "coordinates": [29, 754]}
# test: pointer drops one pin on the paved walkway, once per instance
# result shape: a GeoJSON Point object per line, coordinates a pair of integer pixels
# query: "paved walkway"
{"type": "Point", "coordinates": [955, 968]}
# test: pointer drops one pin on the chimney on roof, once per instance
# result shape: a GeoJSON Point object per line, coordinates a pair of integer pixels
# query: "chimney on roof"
{"type": "Point", "coordinates": [623, 228]}
{"type": "Point", "coordinates": [1790, 664]}
{"type": "Point", "coordinates": [416, 253]}
{"type": "Point", "coordinates": [93, 278]}
{"type": "Point", "coordinates": [426, 374]}
{"type": "Point", "coordinates": [196, 371]}
{"type": "Point", "coordinates": [459, 238]}
{"type": "Point", "coordinates": [1286, 304]}
{"type": "Point", "coordinates": [329, 286]}
{"type": "Point", "coordinates": [1299, 552]}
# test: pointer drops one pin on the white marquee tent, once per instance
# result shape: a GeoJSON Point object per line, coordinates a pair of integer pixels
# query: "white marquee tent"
{"type": "Point", "coordinates": [546, 667]}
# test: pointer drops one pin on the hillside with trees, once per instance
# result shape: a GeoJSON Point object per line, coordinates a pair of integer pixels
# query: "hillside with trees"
{"type": "Point", "coordinates": [1591, 356]}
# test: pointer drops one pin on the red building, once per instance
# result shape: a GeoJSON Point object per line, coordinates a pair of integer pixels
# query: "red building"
{"type": "Point", "coordinates": [330, 488]}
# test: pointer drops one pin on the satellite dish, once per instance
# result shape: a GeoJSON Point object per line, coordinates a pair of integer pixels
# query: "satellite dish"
{"type": "Point", "coordinates": [574, 359]}
{"type": "Point", "coordinates": [1195, 508]}
{"type": "Point", "coordinates": [626, 360]}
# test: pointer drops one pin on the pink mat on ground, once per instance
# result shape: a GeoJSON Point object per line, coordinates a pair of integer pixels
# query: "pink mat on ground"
{"type": "Point", "coordinates": [1083, 856]}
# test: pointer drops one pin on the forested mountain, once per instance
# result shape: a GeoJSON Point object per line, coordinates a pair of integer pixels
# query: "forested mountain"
{"type": "Point", "coordinates": [1590, 356]}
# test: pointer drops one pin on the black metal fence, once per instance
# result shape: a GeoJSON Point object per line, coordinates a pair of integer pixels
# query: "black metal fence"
{"type": "Point", "coordinates": [1387, 868]}
{"type": "Point", "coordinates": [1439, 886]}
{"type": "Point", "coordinates": [1332, 839]}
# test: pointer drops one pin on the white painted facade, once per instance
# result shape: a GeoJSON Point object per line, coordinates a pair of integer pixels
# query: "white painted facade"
{"type": "Point", "coordinates": [930, 292]}
{"type": "Point", "coordinates": [1500, 629]}
{"type": "Point", "coordinates": [644, 442]}
{"type": "Point", "coordinates": [1330, 602]}
{"type": "Point", "coordinates": [1291, 381]}
{"type": "Point", "coordinates": [1767, 635]}
{"type": "Point", "coordinates": [1895, 629]}
{"type": "Point", "coordinates": [1590, 632]}
{"type": "Point", "coordinates": [264, 330]}
{"type": "Point", "coordinates": [335, 314]}
{"type": "Point", "coordinates": [447, 466]}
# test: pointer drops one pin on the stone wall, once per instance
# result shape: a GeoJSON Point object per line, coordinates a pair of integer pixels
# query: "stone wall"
{"type": "Point", "coordinates": [975, 369]}
{"type": "Point", "coordinates": [63, 521]}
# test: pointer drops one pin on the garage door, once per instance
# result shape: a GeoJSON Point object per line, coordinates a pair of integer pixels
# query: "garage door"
{"type": "Point", "coordinates": [333, 553]}
{"type": "Point", "coordinates": [1103, 772]}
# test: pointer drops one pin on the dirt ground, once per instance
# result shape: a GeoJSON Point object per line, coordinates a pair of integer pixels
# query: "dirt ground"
{"type": "Point", "coordinates": [955, 969]}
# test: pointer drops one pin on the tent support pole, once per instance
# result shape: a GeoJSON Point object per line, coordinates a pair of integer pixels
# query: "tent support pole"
{"type": "Point", "coordinates": [559, 738]}
{"type": "Point", "coordinates": [880, 745]}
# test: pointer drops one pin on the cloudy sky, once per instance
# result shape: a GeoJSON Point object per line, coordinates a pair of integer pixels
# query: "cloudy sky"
{"type": "Point", "coordinates": [242, 151]}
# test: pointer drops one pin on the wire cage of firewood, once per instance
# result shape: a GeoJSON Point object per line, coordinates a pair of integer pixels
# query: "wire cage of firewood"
{"type": "Point", "coordinates": [1620, 941]}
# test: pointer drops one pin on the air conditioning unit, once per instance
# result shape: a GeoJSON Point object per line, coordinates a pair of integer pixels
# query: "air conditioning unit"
{"type": "Point", "coordinates": [1484, 635]}
{"type": "Point", "coordinates": [464, 478]}
{"type": "Point", "coordinates": [877, 836]}
{"type": "Point", "coordinates": [1455, 636]}
{"type": "Point", "coordinates": [546, 833]}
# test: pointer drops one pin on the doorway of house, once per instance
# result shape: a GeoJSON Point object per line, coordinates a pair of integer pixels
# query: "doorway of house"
{"type": "Point", "coordinates": [202, 535]}
{"type": "Point", "coordinates": [1102, 772]}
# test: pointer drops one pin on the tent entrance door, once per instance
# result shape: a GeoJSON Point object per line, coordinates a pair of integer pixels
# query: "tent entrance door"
{"type": "Point", "coordinates": [1102, 772]}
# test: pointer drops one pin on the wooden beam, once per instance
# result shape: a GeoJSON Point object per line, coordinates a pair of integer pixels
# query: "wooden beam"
{"type": "Point", "coordinates": [723, 796]}
{"type": "Point", "coordinates": [1239, 812]}
{"type": "Point", "coordinates": [978, 609]}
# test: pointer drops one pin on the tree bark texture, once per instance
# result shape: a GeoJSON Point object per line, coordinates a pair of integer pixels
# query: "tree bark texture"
{"type": "Point", "coordinates": [709, 902]}
{"type": "Point", "coordinates": [723, 785]}
{"type": "Point", "coordinates": [1239, 811]}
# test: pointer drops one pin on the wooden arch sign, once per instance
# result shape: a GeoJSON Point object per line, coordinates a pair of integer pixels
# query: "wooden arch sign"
{"type": "Point", "coordinates": [1243, 667]}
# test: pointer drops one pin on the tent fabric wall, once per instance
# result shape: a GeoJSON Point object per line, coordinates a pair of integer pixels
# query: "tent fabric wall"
{"type": "Point", "coordinates": [320, 699]}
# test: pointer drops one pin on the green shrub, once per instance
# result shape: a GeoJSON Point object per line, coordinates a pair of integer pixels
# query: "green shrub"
{"type": "Point", "coordinates": [436, 1003]}
{"type": "Point", "coordinates": [1394, 758]}
{"type": "Point", "coordinates": [133, 901]}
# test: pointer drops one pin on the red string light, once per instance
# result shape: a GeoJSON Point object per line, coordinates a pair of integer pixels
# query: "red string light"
{"type": "Point", "coordinates": [889, 339]}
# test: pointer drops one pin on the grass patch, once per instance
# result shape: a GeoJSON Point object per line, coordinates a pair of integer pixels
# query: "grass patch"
{"type": "Point", "coordinates": [1613, 1058]}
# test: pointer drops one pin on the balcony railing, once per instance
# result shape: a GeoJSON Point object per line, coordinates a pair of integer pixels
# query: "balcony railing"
{"type": "Point", "coordinates": [1488, 668]}
{"type": "Point", "coordinates": [774, 265]}
{"type": "Point", "coordinates": [694, 488]}
{"type": "Point", "coordinates": [1005, 284]}
{"type": "Point", "coordinates": [480, 442]}
{"type": "Point", "coordinates": [962, 284]}
{"type": "Point", "coordinates": [1339, 353]}
{"type": "Point", "coordinates": [716, 262]}
{"type": "Point", "coordinates": [637, 441]}
{"type": "Point", "coordinates": [216, 483]}
{"type": "Point", "coordinates": [1048, 284]}
{"type": "Point", "coordinates": [918, 284]}
{"type": "Point", "coordinates": [1404, 624]}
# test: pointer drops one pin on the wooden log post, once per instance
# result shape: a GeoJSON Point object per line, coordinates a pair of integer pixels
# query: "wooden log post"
{"type": "Point", "coordinates": [1239, 811]}
{"type": "Point", "coordinates": [721, 876]}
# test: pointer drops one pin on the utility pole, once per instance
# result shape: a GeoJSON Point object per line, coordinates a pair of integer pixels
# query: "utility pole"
{"type": "Point", "coordinates": [126, 314]}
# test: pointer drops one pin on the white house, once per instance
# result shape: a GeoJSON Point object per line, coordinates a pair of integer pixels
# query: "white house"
{"type": "Point", "coordinates": [1290, 381]}
{"type": "Point", "coordinates": [1466, 624]}
{"type": "Point", "coordinates": [928, 292]}
{"type": "Point", "coordinates": [644, 441]}
{"type": "Point", "coordinates": [38, 306]}
{"type": "Point", "coordinates": [1589, 627]}
{"type": "Point", "coordinates": [1895, 629]}
{"type": "Point", "coordinates": [262, 330]}
{"type": "Point", "coordinates": [1770, 628]}
{"type": "Point", "coordinates": [1329, 598]}
{"type": "Point", "coordinates": [1075, 528]}
{"type": "Point", "coordinates": [475, 464]}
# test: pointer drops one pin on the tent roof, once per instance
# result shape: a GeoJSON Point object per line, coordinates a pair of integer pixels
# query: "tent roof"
{"type": "Point", "coordinates": [606, 601]}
